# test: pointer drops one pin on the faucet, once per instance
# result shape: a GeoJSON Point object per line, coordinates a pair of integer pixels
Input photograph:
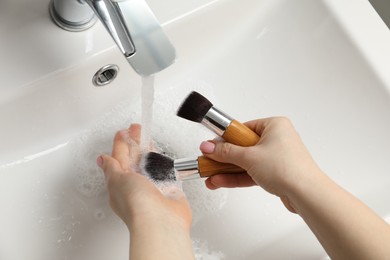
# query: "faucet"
{"type": "Point", "coordinates": [131, 24]}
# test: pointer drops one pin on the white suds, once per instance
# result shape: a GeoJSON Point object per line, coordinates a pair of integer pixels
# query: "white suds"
{"type": "Point", "coordinates": [202, 252]}
{"type": "Point", "coordinates": [175, 136]}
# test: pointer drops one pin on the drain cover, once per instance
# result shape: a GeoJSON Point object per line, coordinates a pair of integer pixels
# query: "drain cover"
{"type": "Point", "coordinates": [105, 75]}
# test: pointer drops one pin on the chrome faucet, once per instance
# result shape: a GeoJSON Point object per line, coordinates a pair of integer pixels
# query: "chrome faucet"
{"type": "Point", "coordinates": [130, 23]}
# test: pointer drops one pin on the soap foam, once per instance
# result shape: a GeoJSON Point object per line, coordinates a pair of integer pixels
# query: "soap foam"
{"type": "Point", "coordinates": [89, 179]}
{"type": "Point", "coordinates": [175, 137]}
{"type": "Point", "coordinates": [202, 252]}
{"type": "Point", "coordinates": [202, 200]}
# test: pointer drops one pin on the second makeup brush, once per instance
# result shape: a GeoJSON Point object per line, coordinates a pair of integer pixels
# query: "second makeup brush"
{"type": "Point", "coordinates": [199, 109]}
{"type": "Point", "coordinates": [160, 167]}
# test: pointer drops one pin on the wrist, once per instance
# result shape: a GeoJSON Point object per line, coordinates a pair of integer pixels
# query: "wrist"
{"type": "Point", "coordinates": [156, 220]}
{"type": "Point", "coordinates": [159, 238]}
{"type": "Point", "coordinates": [309, 191]}
{"type": "Point", "coordinates": [305, 186]}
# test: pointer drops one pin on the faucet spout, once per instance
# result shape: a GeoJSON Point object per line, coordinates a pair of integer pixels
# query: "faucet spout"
{"type": "Point", "coordinates": [131, 24]}
{"type": "Point", "coordinates": [110, 15]}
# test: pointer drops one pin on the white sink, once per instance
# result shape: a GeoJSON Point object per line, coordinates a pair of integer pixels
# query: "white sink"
{"type": "Point", "coordinates": [324, 64]}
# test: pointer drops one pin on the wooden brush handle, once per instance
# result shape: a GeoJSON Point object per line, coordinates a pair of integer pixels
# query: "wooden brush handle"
{"type": "Point", "coordinates": [208, 167]}
{"type": "Point", "coordinates": [241, 135]}
{"type": "Point", "coordinates": [237, 134]}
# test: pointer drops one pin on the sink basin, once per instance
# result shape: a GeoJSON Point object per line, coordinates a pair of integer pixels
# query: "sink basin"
{"type": "Point", "coordinates": [324, 64]}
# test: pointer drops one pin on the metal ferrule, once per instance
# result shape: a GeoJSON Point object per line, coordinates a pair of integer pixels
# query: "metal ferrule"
{"type": "Point", "coordinates": [187, 169]}
{"type": "Point", "coordinates": [217, 121]}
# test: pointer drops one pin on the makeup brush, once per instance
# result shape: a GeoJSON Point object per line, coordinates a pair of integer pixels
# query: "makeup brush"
{"type": "Point", "coordinates": [199, 109]}
{"type": "Point", "coordinates": [160, 167]}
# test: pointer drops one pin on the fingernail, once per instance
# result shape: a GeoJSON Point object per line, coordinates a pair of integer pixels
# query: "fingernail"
{"type": "Point", "coordinates": [207, 147]}
{"type": "Point", "coordinates": [100, 161]}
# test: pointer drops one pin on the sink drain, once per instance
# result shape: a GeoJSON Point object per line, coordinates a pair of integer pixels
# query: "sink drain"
{"type": "Point", "coordinates": [105, 75]}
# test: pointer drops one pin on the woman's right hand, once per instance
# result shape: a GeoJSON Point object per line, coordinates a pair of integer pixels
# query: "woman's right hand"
{"type": "Point", "coordinates": [277, 163]}
{"type": "Point", "coordinates": [281, 164]}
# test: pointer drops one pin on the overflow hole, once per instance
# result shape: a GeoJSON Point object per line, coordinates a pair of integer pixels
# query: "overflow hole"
{"type": "Point", "coordinates": [105, 75]}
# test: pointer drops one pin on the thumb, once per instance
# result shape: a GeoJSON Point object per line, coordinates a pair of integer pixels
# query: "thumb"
{"type": "Point", "coordinates": [225, 152]}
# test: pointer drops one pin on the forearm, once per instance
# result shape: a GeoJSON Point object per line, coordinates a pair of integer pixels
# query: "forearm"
{"type": "Point", "coordinates": [346, 227]}
{"type": "Point", "coordinates": [159, 240]}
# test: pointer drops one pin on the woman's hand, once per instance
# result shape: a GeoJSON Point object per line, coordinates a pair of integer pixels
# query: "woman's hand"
{"type": "Point", "coordinates": [276, 163]}
{"type": "Point", "coordinates": [158, 224]}
{"type": "Point", "coordinates": [281, 164]}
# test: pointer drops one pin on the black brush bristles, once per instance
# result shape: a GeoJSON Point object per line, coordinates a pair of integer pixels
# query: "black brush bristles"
{"type": "Point", "coordinates": [194, 107]}
{"type": "Point", "coordinates": [159, 167]}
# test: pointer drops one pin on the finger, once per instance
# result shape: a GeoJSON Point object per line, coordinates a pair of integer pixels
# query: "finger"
{"type": "Point", "coordinates": [134, 132]}
{"type": "Point", "coordinates": [218, 139]}
{"type": "Point", "coordinates": [225, 152]}
{"type": "Point", "coordinates": [210, 185]}
{"type": "Point", "coordinates": [229, 181]}
{"type": "Point", "coordinates": [120, 150]}
{"type": "Point", "coordinates": [108, 164]}
{"type": "Point", "coordinates": [258, 125]}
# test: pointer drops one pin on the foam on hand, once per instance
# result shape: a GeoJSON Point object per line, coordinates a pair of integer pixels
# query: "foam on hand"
{"type": "Point", "coordinates": [173, 136]}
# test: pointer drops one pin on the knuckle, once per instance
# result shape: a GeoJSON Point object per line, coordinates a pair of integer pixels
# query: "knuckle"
{"type": "Point", "coordinates": [283, 120]}
{"type": "Point", "coordinates": [225, 149]}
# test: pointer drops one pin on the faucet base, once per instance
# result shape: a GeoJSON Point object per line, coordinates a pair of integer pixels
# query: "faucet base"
{"type": "Point", "coordinates": [68, 25]}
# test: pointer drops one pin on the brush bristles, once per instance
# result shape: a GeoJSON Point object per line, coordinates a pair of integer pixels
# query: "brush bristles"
{"type": "Point", "coordinates": [160, 167]}
{"type": "Point", "coordinates": [194, 107]}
